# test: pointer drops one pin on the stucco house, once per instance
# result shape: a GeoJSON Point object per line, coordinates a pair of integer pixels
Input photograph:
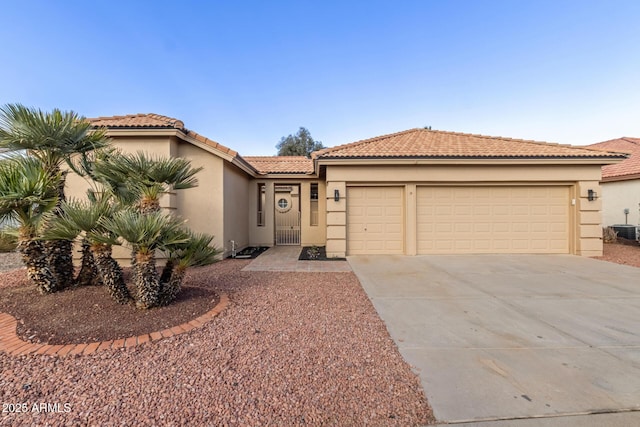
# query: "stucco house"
{"type": "Point", "coordinates": [420, 191]}
{"type": "Point", "coordinates": [620, 185]}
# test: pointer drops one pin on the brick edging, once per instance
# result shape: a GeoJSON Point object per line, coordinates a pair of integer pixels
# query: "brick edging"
{"type": "Point", "coordinates": [11, 344]}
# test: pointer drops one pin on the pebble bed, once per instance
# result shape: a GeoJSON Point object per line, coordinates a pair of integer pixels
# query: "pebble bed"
{"type": "Point", "coordinates": [290, 349]}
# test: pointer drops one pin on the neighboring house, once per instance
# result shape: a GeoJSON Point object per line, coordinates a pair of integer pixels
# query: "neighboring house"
{"type": "Point", "coordinates": [414, 192]}
{"type": "Point", "coordinates": [620, 185]}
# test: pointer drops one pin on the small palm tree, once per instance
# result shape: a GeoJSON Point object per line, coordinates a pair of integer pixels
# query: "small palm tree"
{"type": "Point", "coordinates": [53, 138]}
{"type": "Point", "coordinates": [197, 251]}
{"type": "Point", "coordinates": [146, 233]}
{"type": "Point", "coordinates": [27, 194]}
{"type": "Point", "coordinates": [144, 178]}
{"type": "Point", "coordinates": [140, 180]}
{"type": "Point", "coordinates": [81, 218]}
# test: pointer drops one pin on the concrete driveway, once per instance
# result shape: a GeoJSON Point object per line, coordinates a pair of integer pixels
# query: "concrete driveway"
{"type": "Point", "coordinates": [503, 337]}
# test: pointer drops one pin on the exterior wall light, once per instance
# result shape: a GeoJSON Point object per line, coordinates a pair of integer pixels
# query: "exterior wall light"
{"type": "Point", "coordinates": [336, 195]}
{"type": "Point", "coordinates": [591, 195]}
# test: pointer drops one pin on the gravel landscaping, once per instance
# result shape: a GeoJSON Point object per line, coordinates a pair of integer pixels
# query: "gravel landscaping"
{"type": "Point", "coordinates": [87, 314]}
{"type": "Point", "coordinates": [627, 253]}
{"type": "Point", "coordinates": [291, 349]}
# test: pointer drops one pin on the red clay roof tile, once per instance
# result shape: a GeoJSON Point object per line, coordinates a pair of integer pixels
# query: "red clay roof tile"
{"type": "Point", "coordinates": [150, 120]}
{"type": "Point", "coordinates": [280, 164]}
{"type": "Point", "coordinates": [629, 167]}
{"type": "Point", "coordinates": [427, 143]}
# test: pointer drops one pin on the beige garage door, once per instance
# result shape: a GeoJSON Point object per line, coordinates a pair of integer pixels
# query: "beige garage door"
{"type": "Point", "coordinates": [492, 220]}
{"type": "Point", "coordinates": [375, 220]}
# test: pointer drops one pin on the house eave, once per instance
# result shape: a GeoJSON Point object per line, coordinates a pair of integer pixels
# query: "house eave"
{"type": "Point", "coordinates": [236, 160]}
{"type": "Point", "coordinates": [618, 178]}
{"type": "Point", "coordinates": [284, 175]}
{"type": "Point", "coordinates": [449, 160]}
{"type": "Point", "coordinates": [142, 131]}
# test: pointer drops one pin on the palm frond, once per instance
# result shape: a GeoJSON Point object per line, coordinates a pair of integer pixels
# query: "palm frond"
{"type": "Point", "coordinates": [197, 251]}
{"type": "Point", "coordinates": [110, 171]}
{"type": "Point", "coordinates": [79, 216]}
{"type": "Point", "coordinates": [27, 191]}
{"type": "Point", "coordinates": [50, 136]}
{"type": "Point", "coordinates": [133, 177]}
{"type": "Point", "coordinates": [148, 231]}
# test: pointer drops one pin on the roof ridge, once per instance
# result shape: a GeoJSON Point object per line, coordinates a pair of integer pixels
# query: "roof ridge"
{"type": "Point", "coordinates": [279, 157]}
{"type": "Point", "coordinates": [455, 144]}
{"type": "Point", "coordinates": [503, 138]}
{"type": "Point", "coordinates": [488, 137]}
{"type": "Point", "coordinates": [605, 144]}
{"type": "Point", "coordinates": [631, 139]}
{"type": "Point", "coordinates": [171, 121]}
{"type": "Point", "coordinates": [360, 142]}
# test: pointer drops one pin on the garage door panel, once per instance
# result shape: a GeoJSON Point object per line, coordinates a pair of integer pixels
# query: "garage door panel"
{"type": "Point", "coordinates": [493, 219]}
{"type": "Point", "coordinates": [375, 219]}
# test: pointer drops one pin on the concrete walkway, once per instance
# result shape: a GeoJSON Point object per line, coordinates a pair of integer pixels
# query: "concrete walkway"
{"type": "Point", "coordinates": [505, 337]}
{"type": "Point", "coordinates": [285, 258]}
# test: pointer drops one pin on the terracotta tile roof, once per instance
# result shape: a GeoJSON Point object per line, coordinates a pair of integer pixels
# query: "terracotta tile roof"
{"type": "Point", "coordinates": [426, 143]}
{"type": "Point", "coordinates": [138, 121]}
{"type": "Point", "coordinates": [280, 164]}
{"type": "Point", "coordinates": [155, 121]}
{"type": "Point", "coordinates": [629, 168]}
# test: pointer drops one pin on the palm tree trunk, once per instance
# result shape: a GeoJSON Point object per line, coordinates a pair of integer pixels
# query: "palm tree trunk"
{"type": "Point", "coordinates": [111, 273]}
{"type": "Point", "coordinates": [167, 270]}
{"type": "Point", "coordinates": [172, 287]}
{"type": "Point", "coordinates": [60, 252]}
{"type": "Point", "coordinates": [147, 280]}
{"type": "Point", "coordinates": [88, 274]}
{"type": "Point", "coordinates": [38, 271]}
{"type": "Point", "coordinates": [59, 257]}
{"type": "Point", "coordinates": [145, 206]}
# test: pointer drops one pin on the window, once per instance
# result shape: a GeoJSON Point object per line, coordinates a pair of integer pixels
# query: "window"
{"type": "Point", "coordinates": [283, 204]}
{"type": "Point", "coordinates": [314, 204]}
{"type": "Point", "coordinates": [262, 193]}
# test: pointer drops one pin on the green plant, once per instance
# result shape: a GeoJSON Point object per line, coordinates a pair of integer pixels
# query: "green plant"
{"type": "Point", "coordinates": [609, 235]}
{"type": "Point", "coordinates": [53, 139]}
{"type": "Point", "coordinates": [314, 252]}
{"type": "Point", "coordinates": [27, 195]}
{"type": "Point", "coordinates": [8, 242]}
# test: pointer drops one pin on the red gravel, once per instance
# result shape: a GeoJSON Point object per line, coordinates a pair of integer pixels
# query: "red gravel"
{"type": "Point", "coordinates": [291, 349]}
{"type": "Point", "coordinates": [627, 253]}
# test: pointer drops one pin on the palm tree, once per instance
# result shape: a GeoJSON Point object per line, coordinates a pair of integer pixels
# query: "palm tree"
{"type": "Point", "coordinates": [82, 218]}
{"type": "Point", "coordinates": [53, 138]}
{"type": "Point", "coordinates": [140, 180]}
{"type": "Point", "coordinates": [146, 233]}
{"type": "Point", "coordinates": [27, 194]}
{"type": "Point", "coordinates": [144, 178]}
{"type": "Point", "coordinates": [197, 251]}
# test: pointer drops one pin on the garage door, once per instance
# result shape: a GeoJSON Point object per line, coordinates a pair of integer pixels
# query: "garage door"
{"type": "Point", "coordinates": [375, 220]}
{"type": "Point", "coordinates": [492, 220]}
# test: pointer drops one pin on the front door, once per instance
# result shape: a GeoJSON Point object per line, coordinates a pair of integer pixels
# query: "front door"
{"type": "Point", "coordinates": [287, 214]}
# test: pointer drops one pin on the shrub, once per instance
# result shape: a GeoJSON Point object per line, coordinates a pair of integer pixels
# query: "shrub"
{"type": "Point", "coordinates": [609, 235]}
{"type": "Point", "coordinates": [7, 242]}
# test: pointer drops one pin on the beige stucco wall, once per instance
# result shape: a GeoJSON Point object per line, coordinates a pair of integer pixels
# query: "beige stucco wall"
{"type": "Point", "coordinates": [313, 234]}
{"type": "Point", "coordinates": [236, 208]}
{"type": "Point", "coordinates": [616, 197]}
{"type": "Point", "coordinates": [261, 235]}
{"type": "Point", "coordinates": [585, 235]}
{"type": "Point", "coordinates": [203, 206]}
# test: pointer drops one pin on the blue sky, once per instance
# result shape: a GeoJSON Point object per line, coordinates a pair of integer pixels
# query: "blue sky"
{"type": "Point", "coordinates": [247, 73]}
